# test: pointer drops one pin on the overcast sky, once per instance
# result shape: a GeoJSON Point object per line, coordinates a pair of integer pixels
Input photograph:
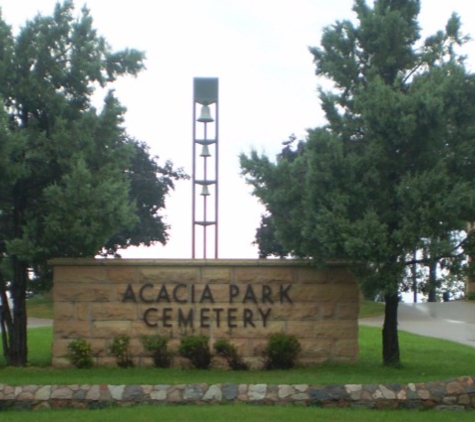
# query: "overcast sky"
{"type": "Point", "coordinates": [267, 88]}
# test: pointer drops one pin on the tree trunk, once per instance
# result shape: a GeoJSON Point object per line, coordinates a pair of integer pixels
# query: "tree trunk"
{"type": "Point", "coordinates": [432, 287]}
{"type": "Point", "coordinates": [414, 277]}
{"type": "Point", "coordinates": [5, 316]}
{"type": "Point", "coordinates": [17, 352]}
{"type": "Point", "coordinates": [391, 356]}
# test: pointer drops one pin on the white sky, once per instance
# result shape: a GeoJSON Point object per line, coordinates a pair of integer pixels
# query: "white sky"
{"type": "Point", "coordinates": [267, 89]}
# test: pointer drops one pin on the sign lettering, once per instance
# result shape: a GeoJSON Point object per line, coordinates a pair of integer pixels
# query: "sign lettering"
{"type": "Point", "coordinates": [160, 314]}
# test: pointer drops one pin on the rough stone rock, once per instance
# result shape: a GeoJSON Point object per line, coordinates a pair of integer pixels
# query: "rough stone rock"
{"type": "Point", "coordinates": [257, 392]}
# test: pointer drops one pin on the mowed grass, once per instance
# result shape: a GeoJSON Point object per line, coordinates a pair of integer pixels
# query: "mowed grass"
{"type": "Point", "coordinates": [40, 307]}
{"type": "Point", "coordinates": [424, 359]}
{"type": "Point", "coordinates": [233, 413]}
{"type": "Point", "coordinates": [369, 309]}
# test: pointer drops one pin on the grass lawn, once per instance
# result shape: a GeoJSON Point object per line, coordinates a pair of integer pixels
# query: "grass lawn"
{"type": "Point", "coordinates": [424, 359]}
{"type": "Point", "coordinates": [40, 307]}
{"type": "Point", "coordinates": [369, 309]}
{"type": "Point", "coordinates": [228, 413]}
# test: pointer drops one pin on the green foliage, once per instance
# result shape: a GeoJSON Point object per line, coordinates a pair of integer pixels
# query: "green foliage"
{"type": "Point", "coordinates": [157, 345]}
{"type": "Point", "coordinates": [281, 351]}
{"type": "Point", "coordinates": [80, 353]}
{"type": "Point", "coordinates": [120, 349]}
{"type": "Point", "coordinates": [228, 351]}
{"type": "Point", "coordinates": [369, 308]}
{"type": "Point", "coordinates": [73, 183]}
{"type": "Point", "coordinates": [389, 173]}
{"type": "Point", "coordinates": [196, 349]}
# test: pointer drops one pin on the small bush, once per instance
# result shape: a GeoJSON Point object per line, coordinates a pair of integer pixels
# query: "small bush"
{"type": "Point", "coordinates": [281, 351]}
{"type": "Point", "coordinates": [120, 349]}
{"type": "Point", "coordinates": [196, 349]}
{"type": "Point", "coordinates": [228, 351]}
{"type": "Point", "coordinates": [157, 345]}
{"type": "Point", "coordinates": [80, 353]}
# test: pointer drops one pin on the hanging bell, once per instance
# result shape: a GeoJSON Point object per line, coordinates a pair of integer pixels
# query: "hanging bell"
{"type": "Point", "coordinates": [205, 116]}
{"type": "Point", "coordinates": [205, 190]}
{"type": "Point", "coordinates": [205, 151]}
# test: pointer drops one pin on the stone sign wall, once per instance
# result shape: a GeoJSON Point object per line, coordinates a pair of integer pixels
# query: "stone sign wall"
{"type": "Point", "coordinates": [243, 301]}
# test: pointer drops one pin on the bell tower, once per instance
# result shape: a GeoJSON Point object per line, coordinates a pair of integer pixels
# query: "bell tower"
{"type": "Point", "coordinates": [205, 168]}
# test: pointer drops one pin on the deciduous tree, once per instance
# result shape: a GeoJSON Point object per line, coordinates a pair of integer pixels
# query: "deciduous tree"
{"type": "Point", "coordinates": [72, 182]}
{"type": "Point", "coordinates": [394, 165]}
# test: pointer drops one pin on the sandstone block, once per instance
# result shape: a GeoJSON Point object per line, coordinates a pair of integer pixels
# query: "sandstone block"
{"type": "Point", "coordinates": [110, 329]}
{"type": "Point", "coordinates": [63, 311]}
{"type": "Point", "coordinates": [139, 329]}
{"type": "Point", "coordinates": [168, 275]}
{"type": "Point", "coordinates": [79, 274]}
{"type": "Point", "coordinates": [60, 346]}
{"type": "Point", "coordinates": [215, 275]}
{"type": "Point", "coordinates": [72, 329]}
{"type": "Point", "coordinates": [328, 310]}
{"type": "Point", "coordinates": [76, 292]}
{"type": "Point", "coordinates": [320, 348]}
{"type": "Point", "coordinates": [121, 274]}
{"type": "Point", "coordinates": [81, 311]}
{"type": "Point", "coordinates": [301, 329]}
{"type": "Point", "coordinates": [297, 312]}
{"type": "Point", "coordinates": [240, 302]}
{"type": "Point", "coordinates": [348, 310]}
{"type": "Point", "coordinates": [113, 311]}
{"type": "Point", "coordinates": [256, 275]}
{"type": "Point", "coordinates": [259, 331]}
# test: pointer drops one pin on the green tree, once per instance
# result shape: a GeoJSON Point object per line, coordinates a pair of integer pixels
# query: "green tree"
{"type": "Point", "coordinates": [72, 182]}
{"type": "Point", "coordinates": [394, 165]}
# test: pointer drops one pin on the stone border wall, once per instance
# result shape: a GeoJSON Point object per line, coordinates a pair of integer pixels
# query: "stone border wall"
{"type": "Point", "coordinates": [244, 301]}
{"type": "Point", "coordinates": [454, 394]}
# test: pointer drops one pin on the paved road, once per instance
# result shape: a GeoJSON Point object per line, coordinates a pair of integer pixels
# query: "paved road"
{"type": "Point", "coordinates": [39, 322]}
{"type": "Point", "coordinates": [453, 321]}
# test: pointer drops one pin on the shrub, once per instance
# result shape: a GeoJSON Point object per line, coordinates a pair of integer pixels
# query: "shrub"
{"type": "Point", "coordinates": [157, 345]}
{"type": "Point", "coordinates": [281, 351]}
{"type": "Point", "coordinates": [196, 349]}
{"type": "Point", "coordinates": [80, 353]}
{"type": "Point", "coordinates": [228, 351]}
{"type": "Point", "coordinates": [120, 349]}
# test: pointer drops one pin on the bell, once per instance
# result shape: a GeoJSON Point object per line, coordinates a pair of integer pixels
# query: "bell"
{"type": "Point", "coordinates": [205, 116]}
{"type": "Point", "coordinates": [205, 151]}
{"type": "Point", "coordinates": [205, 190]}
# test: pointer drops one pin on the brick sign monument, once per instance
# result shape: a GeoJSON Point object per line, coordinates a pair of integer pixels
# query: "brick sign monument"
{"type": "Point", "coordinates": [244, 301]}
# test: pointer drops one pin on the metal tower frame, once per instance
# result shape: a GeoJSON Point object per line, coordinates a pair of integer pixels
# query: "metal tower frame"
{"type": "Point", "coordinates": [205, 135]}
